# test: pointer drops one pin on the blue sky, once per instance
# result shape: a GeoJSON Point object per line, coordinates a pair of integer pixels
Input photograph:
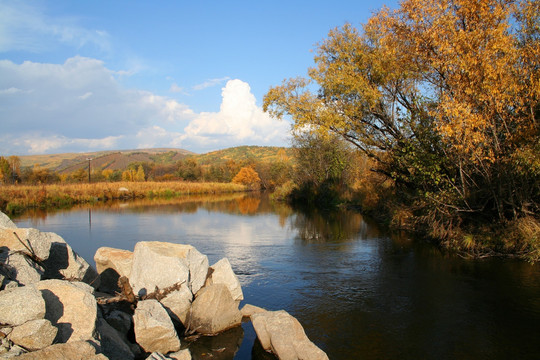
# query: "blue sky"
{"type": "Point", "coordinates": [100, 75]}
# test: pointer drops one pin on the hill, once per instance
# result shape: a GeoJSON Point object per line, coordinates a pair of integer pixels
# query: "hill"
{"type": "Point", "coordinates": [114, 159]}
{"type": "Point", "coordinates": [120, 159]}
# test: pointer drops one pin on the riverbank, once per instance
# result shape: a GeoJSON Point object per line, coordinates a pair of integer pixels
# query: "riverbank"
{"type": "Point", "coordinates": [17, 198]}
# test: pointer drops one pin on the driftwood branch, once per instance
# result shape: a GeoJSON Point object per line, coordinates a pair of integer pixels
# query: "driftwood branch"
{"type": "Point", "coordinates": [32, 253]}
{"type": "Point", "coordinates": [126, 293]}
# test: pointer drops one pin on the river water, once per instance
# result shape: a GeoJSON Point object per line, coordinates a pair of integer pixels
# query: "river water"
{"type": "Point", "coordinates": [359, 291]}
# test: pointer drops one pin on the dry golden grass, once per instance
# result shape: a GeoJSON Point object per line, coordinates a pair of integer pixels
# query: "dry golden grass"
{"type": "Point", "coordinates": [15, 198]}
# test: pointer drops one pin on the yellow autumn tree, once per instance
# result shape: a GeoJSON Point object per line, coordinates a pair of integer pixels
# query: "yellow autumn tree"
{"type": "Point", "coordinates": [247, 176]}
{"type": "Point", "coordinates": [443, 95]}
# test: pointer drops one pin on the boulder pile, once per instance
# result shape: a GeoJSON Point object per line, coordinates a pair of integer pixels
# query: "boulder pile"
{"type": "Point", "coordinates": [151, 303]}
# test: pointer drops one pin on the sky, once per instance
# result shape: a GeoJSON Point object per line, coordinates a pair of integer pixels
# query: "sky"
{"type": "Point", "coordinates": [81, 76]}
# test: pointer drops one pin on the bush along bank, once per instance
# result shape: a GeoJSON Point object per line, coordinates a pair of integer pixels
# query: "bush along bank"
{"type": "Point", "coordinates": [158, 302]}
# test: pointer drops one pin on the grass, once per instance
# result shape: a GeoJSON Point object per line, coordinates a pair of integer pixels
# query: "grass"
{"type": "Point", "coordinates": [17, 198]}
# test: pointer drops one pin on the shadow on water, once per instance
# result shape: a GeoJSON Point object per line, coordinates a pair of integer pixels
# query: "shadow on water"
{"type": "Point", "coordinates": [360, 291]}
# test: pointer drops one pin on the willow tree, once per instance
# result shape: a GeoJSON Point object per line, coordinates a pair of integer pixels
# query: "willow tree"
{"type": "Point", "coordinates": [442, 94]}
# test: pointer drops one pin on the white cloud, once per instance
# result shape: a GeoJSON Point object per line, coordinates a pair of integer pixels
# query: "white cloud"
{"type": "Point", "coordinates": [176, 89]}
{"type": "Point", "coordinates": [28, 28]}
{"type": "Point", "coordinates": [239, 121]}
{"type": "Point", "coordinates": [210, 83]}
{"type": "Point", "coordinates": [80, 106]}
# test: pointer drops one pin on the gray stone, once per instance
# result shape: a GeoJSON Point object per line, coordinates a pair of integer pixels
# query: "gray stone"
{"type": "Point", "coordinates": [20, 305]}
{"type": "Point", "coordinates": [160, 264]}
{"type": "Point", "coordinates": [70, 308]}
{"type": "Point", "coordinates": [154, 330]}
{"type": "Point", "coordinates": [214, 310]}
{"type": "Point", "coordinates": [120, 321]}
{"type": "Point", "coordinates": [5, 221]}
{"type": "Point", "coordinates": [156, 355]}
{"type": "Point", "coordinates": [34, 335]}
{"type": "Point", "coordinates": [178, 304]}
{"type": "Point", "coordinates": [113, 344]}
{"type": "Point", "coordinates": [14, 352]}
{"type": "Point", "coordinates": [222, 273]}
{"type": "Point", "coordinates": [27, 241]}
{"type": "Point", "coordinates": [21, 268]}
{"type": "Point", "coordinates": [64, 263]}
{"type": "Point", "coordinates": [77, 350]}
{"type": "Point", "coordinates": [282, 334]}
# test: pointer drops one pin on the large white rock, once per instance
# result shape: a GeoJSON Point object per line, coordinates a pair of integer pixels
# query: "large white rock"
{"type": "Point", "coordinates": [116, 259]}
{"type": "Point", "coordinates": [34, 335]}
{"type": "Point", "coordinates": [5, 221]}
{"type": "Point", "coordinates": [214, 310]}
{"type": "Point", "coordinates": [160, 264]}
{"type": "Point", "coordinates": [20, 305]}
{"type": "Point", "coordinates": [64, 263]}
{"type": "Point", "coordinates": [21, 268]}
{"type": "Point", "coordinates": [28, 241]}
{"type": "Point", "coordinates": [282, 334]}
{"type": "Point", "coordinates": [71, 307]}
{"type": "Point", "coordinates": [222, 273]}
{"type": "Point", "coordinates": [154, 330]}
{"type": "Point", "coordinates": [78, 350]}
{"type": "Point", "coordinates": [111, 264]}
{"type": "Point", "coordinates": [178, 304]}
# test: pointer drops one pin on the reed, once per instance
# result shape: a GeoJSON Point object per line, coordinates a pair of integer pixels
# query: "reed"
{"type": "Point", "coordinates": [17, 198]}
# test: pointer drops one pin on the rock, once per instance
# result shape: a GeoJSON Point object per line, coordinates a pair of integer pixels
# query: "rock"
{"type": "Point", "coordinates": [180, 355]}
{"type": "Point", "coordinates": [178, 304]}
{"type": "Point", "coordinates": [154, 330]}
{"type": "Point", "coordinates": [21, 268]}
{"type": "Point", "coordinates": [222, 273]}
{"type": "Point", "coordinates": [34, 335]}
{"type": "Point", "coordinates": [77, 350]}
{"type": "Point", "coordinates": [64, 263]}
{"type": "Point", "coordinates": [157, 356]}
{"type": "Point", "coordinates": [71, 308]}
{"type": "Point", "coordinates": [214, 310]}
{"type": "Point", "coordinates": [20, 305]}
{"type": "Point", "coordinates": [14, 352]}
{"type": "Point", "coordinates": [111, 264]}
{"type": "Point", "coordinates": [112, 343]}
{"type": "Point", "coordinates": [120, 321]}
{"type": "Point", "coordinates": [248, 310]}
{"type": "Point", "coordinates": [160, 264]}
{"type": "Point", "coordinates": [284, 336]}
{"type": "Point", "coordinates": [5, 221]}
{"type": "Point", "coordinates": [32, 241]}
{"type": "Point", "coordinates": [221, 347]}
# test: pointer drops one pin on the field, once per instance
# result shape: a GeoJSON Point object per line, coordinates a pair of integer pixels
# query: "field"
{"type": "Point", "coordinates": [17, 198]}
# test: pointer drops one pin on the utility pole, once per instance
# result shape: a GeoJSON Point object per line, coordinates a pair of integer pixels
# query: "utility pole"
{"type": "Point", "coordinates": [89, 159]}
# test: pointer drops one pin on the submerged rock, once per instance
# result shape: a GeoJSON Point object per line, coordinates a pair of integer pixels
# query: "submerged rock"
{"type": "Point", "coordinates": [214, 310]}
{"type": "Point", "coordinates": [282, 334]}
{"type": "Point", "coordinates": [154, 329]}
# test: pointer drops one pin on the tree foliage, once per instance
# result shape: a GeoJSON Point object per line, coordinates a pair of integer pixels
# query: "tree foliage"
{"type": "Point", "coordinates": [443, 95]}
{"type": "Point", "coordinates": [247, 176]}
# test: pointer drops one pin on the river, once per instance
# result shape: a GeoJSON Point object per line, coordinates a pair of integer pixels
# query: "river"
{"type": "Point", "coordinates": [360, 291]}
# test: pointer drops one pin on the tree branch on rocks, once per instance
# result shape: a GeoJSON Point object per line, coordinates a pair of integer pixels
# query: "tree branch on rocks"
{"type": "Point", "coordinates": [127, 294]}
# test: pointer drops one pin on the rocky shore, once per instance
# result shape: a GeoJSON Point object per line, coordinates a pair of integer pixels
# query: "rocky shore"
{"type": "Point", "coordinates": [161, 301]}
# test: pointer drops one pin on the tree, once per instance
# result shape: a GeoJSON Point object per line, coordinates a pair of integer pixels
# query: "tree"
{"type": "Point", "coordinates": [247, 176]}
{"type": "Point", "coordinates": [443, 95]}
{"type": "Point", "coordinates": [139, 175]}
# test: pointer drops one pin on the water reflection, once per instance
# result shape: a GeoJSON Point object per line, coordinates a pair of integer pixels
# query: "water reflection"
{"type": "Point", "coordinates": [359, 291]}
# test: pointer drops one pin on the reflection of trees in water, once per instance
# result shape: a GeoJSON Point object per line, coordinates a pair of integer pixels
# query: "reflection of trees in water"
{"type": "Point", "coordinates": [315, 226]}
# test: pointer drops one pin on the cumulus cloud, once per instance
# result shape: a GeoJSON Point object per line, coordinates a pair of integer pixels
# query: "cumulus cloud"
{"type": "Point", "coordinates": [80, 106]}
{"type": "Point", "coordinates": [239, 121]}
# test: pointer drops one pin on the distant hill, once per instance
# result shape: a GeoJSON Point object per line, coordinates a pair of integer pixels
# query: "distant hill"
{"type": "Point", "coordinates": [114, 160]}
{"type": "Point", "coordinates": [120, 159]}
{"type": "Point", "coordinates": [243, 153]}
